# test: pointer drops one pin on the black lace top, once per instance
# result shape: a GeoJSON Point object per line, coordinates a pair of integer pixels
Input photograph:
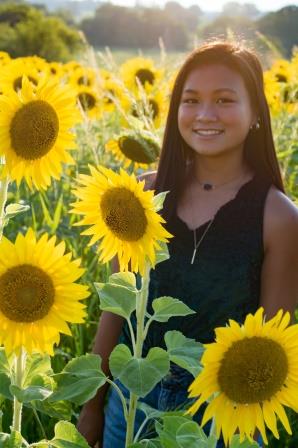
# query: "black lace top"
{"type": "Point", "coordinates": [224, 280]}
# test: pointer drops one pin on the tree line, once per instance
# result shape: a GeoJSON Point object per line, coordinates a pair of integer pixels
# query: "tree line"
{"type": "Point", "coordinates": [27, 30]}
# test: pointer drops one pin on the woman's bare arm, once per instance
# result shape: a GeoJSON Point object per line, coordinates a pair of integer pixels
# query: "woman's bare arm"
{"type": "Point", "coordinates": [279, 282]}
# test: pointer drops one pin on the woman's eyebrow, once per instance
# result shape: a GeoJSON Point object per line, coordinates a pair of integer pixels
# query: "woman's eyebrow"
{"type": "Point", "coordinates": [222, 89]}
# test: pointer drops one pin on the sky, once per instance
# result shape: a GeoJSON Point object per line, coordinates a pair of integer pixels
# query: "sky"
{"type": "Point", "coordinates": [211, 5]}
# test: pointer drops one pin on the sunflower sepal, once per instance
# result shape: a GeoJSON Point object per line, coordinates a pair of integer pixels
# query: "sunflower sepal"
{"type": "Point", "coordinates": [80, 379]}
{"type": "Point", "coordinates": [139, 375]}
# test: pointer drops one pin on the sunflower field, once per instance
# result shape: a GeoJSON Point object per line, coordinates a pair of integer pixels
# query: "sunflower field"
{"type": "Point", "coordinates": [74, 138]}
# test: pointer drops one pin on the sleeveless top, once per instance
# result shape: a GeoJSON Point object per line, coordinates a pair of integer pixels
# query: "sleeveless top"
{"type": "Point", "coordinates": [224, 281]}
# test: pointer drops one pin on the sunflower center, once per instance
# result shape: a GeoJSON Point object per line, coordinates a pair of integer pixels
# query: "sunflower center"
{"type": "Point", "coordinates": [135, 151]}
{"type": "Point", "coordinates": [26, 293]}
{"type": "Point", "coordinates": [17, 84]}
{"type": "Point", "coordinates": [253, 370]}
{"type": "Point", "coordinates": [34, 130]}
{"type": "Point", "coordinates": [84, 81]}
{"type": "Point", "coordinates": [145, 75]}
{"type": "Point", "coordinates": [124, 214]}
{"type": "Point", "coordinates": [280, 77]}
{"type": "Point", "coordinates": [87, 100]}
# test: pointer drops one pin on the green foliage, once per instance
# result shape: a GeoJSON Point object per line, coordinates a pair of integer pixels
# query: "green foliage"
{"type": "Point", "coordinates": [134, 28]}
{"type": "Point", "coordinates": [66, 436]}
{"type": "Point", "coordinates": [26, 31]}
{"type": "Point", "coordinates": [184, 352]}
{"type": "Point", "coordinates": [79, 380]}
{"type": "Point", "coordinates": [281, 27]}
{"type": "Point", "coordinates": [139, 375]}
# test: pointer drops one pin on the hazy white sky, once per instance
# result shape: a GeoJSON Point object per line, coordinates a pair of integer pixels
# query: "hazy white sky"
{"type": "Point", "coordinates": [211, 5]}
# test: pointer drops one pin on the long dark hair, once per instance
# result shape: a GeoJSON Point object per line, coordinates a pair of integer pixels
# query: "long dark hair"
{"type": "Point", "coordinates": [259, 150]}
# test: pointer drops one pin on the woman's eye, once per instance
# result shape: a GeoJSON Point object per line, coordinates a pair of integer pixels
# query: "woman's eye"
{"type": "Point", "coordinates": [225, 100]}
{"type": "Point", "coordinates": [189, 101]}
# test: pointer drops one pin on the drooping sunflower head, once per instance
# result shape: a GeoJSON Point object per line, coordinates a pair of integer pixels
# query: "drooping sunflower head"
{"type": "Point", "coordinates": [140, 70]}
{"type": "Point", "coordinates": [35, 131]}
{"type": "Point", "coordinates": [138, 148]}
{"type": "Point", "coordinates": [38, 295]}
{"type": "Point", "coordinates": [252, 370]}
{"type": "Point", "coordinates": [122, 216]}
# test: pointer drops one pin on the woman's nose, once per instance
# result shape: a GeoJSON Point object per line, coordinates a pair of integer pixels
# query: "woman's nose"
{"type": "Point", "coordinates": [206, 113]}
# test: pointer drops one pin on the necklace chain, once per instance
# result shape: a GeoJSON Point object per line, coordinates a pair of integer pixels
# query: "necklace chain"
{"type": "Point", "coordinates": [197, 244]}
{"type": "Point", "coordinates": [207, 187]}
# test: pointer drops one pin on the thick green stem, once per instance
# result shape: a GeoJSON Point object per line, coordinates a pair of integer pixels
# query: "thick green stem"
{"type": "Point", "coordinates": [20, 363]}
{"type": "Point", "coordinates": [141, 306]}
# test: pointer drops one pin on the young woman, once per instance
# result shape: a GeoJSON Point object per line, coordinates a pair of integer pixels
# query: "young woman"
{"type": "Point", "coordinates": [235, 231]}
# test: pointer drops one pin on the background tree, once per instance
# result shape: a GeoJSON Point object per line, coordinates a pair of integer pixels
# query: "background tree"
{"type": "Point", "coordinates": [27, 31]}
{"type": "Point", "coordinates": [282, 27]}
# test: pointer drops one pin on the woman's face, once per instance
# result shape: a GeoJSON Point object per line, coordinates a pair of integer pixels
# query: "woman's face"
{"type": "Point", "coordinates": [215, 112]}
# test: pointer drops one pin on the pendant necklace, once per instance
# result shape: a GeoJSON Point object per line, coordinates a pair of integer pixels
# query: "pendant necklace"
{"type": "Point", "coordinates": [207, 186]}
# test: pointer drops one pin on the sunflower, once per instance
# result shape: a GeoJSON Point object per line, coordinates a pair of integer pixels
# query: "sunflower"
{"type": "Point", "coordinates": [152, 107]}
{"type": "Point", "coordinates": [113, 95]}
{"type": "Point", "coordinates": [37, 293]}
{"type": "Point", "coordinates": [88, 100]}
{"type": "Point", "coordinates": [139, 149]}
{"type": "Point", "coordinates": [11, 75]}
{"type": "Point", "coordinates": [143, 70]}
{"type": "Point", "coordinates": [122, 216]}
{"type": "Point", "coordinates": [82, 76]}
{"type": "Point", "coordinates": [253, 371]}
{"type": "Point", "coordinates": [34, 131]}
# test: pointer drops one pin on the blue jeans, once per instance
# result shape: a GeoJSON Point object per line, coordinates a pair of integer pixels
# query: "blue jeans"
{"type": "Point", "coordinates": [169, 394]}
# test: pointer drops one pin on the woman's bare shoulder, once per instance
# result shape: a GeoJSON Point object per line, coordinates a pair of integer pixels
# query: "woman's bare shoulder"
{"type": "Point", "coordinates": [280, 216]}
{"type": "Point", "coordinates": [149, 178]}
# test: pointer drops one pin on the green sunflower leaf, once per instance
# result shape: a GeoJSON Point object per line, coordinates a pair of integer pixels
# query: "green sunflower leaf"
{"type": "Point", "coordinates": [41, 387]}
{"type": "Point", "coordinates": [158, 200]}
{"type": "Point", "coordinates": [12, 210]}
{"type": "Point", "coordinates": [79, 380]}
{"type": "Point", "coordinates": [127, 279]}
{"type": "Point", "coordinates": [167, 307]}
{"type": "Point", "coordinates": [4, 365]}
{"type": "Point", "coordinates": [139, 375]}
{"type": "Point", "coordinates": [182, 432]}
{"type": "Point", "coordinates": [118, 299]}
{"type": "Point", "coordinates": [235, 443]}
{"type": "Point", "coordinates": [184, 352]}
{"type": "Point", "coordinates": [36, 364]}
{"type": "Point", "coordinates": [66, 436]}
{"type": "Point", "coordinates": [163, 253]}
{"type": "Point", "coordinates": [5, 383]}
{"type": "Point", "coordinates": [58, 409]}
